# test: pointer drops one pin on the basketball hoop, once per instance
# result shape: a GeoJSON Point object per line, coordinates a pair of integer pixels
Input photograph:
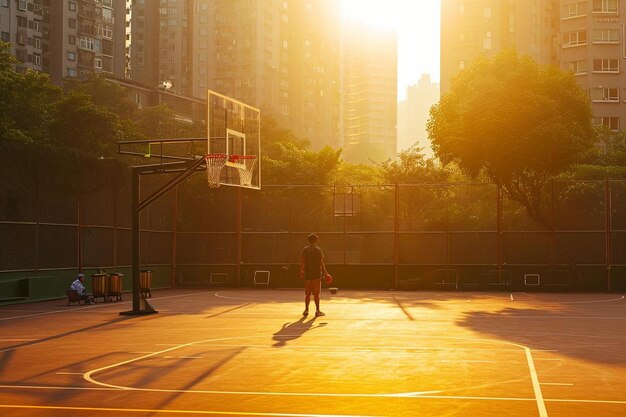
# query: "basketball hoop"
{"type": "Point", "coordinates": [245, 166]}
{"type": "Point", "coordinates": [214, 164]}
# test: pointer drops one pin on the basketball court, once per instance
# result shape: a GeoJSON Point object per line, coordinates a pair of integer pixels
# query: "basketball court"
{"type": "Point", "coordinates": [251, 353]}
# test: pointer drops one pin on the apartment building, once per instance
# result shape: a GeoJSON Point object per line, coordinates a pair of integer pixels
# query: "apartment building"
{"type": "Point", "coordinates": [280, 56]}
{"type": "Point", "coordinates": [413, 114]}
{"type": "Point", "coordinates": [370, 75]}
{"type": "Point", "coordinates": [471, 28]}
{"type": "Point", "coordinates": [26, 25]}
{"type": "Point", "coordinates": [65, 38]}
{"type": "Point", "coordinates": [592, 45]}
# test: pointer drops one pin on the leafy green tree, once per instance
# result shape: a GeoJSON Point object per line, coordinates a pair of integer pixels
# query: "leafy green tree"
{"type": "Point", "coordinates": [517, 122]}
{"type": "Point", "coordinates": [412, 167]}
{"type": "Point", "coordinates": [27, 99]}
{"type": "Point", "coordinates": [274, 136]}
{"type": "Point", "coordinates": [105, 94]}
{"type": "Point", "coordinates": [159, 122]}
{"type": "Point", "coordinates": [81, 125]}
{"type": "Point", "coordinates": [295, 165]}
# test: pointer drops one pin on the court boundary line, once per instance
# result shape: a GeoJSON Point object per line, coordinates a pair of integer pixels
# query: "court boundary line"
{"type": "Point", "coordinates": [409, 395]}
{"type": "Point", "coordinates": [88, 376]}
{"type": "Point", "coordinates": [161, 411]}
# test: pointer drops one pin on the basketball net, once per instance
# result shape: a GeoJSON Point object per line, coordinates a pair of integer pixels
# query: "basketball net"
{"type": "Point", "coordinates": [245, 166]}
{"type": "Point", "coordinates": [214, 164]}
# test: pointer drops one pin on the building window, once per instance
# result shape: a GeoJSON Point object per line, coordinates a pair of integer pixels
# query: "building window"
{"type": "Point", "coordinates": [37, 42]}
{"type": "Point", "coordinates": [71, 39]}
{"type": "Point", "coordinates": [606, 65]}
{"type": "Point", "coordinates": [22, 22]}
{"type": "Point", "coordinates": [21, 55]}
{"type": "Point", "coordinates": [605, 6]}
{"type": "Point", "coordinates": [5, 37]}
{"type": "Point", "coordinates": [97, 63]}
{"type": "Point", "coordinates": [462, 65]}
{"type": "Point", "coordinates": [4, 3]}
{"type": "Point", "coordinates": [610, 122]}
{"type": "Point", "coordinates": [576, 38]}
{"type": "Point", "coordinates": [487, 13]}
{"type": "Point", "coordinates": [71, 6]}
{"type": "Point", "coordinates": [71, 72]}
{"type": "Point", "coordinates": [571, 10]}
{"type": "Point", "coordinates": [71, 23]}
{"type": "Point", "coordinates": [21, 5]}
{"type": "Point", "coordinates": [71, 56]}
{"type": "Point", "coordinates": [21, 38]}
{"type": "Point", "coordinates": [487, 41]}
{"type": "Point", "coordinates": [87, 42]}
{"type": "Point", "coordinates": [578, 67]}
{"type": "Point", "coordinates": [604, 94]}
{"type": "Point", "coordinates": [37, 59]}
{"type": "Point", "coordinates": [605, 36]}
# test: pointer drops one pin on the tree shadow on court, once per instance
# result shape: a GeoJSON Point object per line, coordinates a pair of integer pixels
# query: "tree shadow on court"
{"type": "Point", "coordinates": [292, 331]}
{"type": "Point", "coordinates": [7, 353]}
{"type": "Point", "coordinates": [579, 333]}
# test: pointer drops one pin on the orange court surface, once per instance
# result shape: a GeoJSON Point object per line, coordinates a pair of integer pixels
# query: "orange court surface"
{"type": "Point", "coordinates": [230, 352]}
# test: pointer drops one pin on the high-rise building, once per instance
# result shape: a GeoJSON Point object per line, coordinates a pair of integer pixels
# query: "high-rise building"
{"type": "Point", "coordinates": [370, 73]}
{"type": "Point", "coordinates": [413, 114]}
{"type": "Point", "coordinates": [592, 45]}
{"type": "Point", "coordinates": [280, 56]}
{"type": "Point", "coordinates": [26, 25]}
{"type": "Point", "coordinates": [472, 28]}
{"type": "Point", "coordinates": [66, 38]}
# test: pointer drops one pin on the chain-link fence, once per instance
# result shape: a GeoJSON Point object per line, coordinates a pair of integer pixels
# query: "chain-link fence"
{"type": "Point", "coordinates": [446, 236]}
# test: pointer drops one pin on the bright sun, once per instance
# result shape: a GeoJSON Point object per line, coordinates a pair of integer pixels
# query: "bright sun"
{"type": "Point", "coordinates": [388, 14]}
{"type": "Point", "coordinates": [417, 23]}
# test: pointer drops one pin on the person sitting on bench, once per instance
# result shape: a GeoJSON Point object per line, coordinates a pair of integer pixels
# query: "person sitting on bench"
{"type": "Point", "coordinates": [79, 287]}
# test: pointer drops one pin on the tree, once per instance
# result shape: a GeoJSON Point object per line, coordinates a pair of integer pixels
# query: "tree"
{"type": "Point", "coordinates": [27, 100]}
{"type": "Point", "coordinates": [81, 125]}
{"type": "Point", "coordinates": [301, 166]}
{"type": "Point", "coordinates": [517, 122]}
{"type": "Point", "coordinates": [412, 167]}
{"type": "Point", "coordinates": [105, 94]}
{"type": "Point", "coordinates": [273, 136]}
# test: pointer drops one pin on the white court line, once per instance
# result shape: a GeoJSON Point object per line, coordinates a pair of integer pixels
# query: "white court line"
{"type": "Point", "coordinates": [88, 376]}
{"type": "Point", "coordinates": [412, 395]}
{"type": "Point", "coordinates": [161, 411]}
{"type": "Point", "coordinates": [541, 406]}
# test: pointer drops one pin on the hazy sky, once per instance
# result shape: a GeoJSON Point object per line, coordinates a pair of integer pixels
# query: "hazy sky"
{"type": "Point", "coordinates": [417, 24]}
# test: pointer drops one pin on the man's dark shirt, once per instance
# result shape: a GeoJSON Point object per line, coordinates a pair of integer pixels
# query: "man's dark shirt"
{"type": "Point", "coordinates": [312, 256]}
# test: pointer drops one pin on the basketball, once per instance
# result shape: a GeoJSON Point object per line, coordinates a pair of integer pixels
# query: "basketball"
{"type": "Point", "coordinates": [328, 279]}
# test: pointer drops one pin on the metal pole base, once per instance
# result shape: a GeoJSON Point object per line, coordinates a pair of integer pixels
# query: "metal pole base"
{"type": "Point", "coordinates": [144, 309]}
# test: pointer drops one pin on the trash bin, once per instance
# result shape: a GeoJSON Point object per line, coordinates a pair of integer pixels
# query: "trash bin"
{"type": "Point", "coordinates": [114, 288]}
{"type": "Point", "coordinates": [145, 279]}
{"type": "Point", "coordinates": [99, 283]}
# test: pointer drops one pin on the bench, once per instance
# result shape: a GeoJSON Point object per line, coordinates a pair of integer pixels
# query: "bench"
{"type": "Point", "coordinates": [72, 297]}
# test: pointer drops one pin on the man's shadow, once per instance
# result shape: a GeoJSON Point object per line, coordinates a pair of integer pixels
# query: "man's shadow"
{"type": "Point", "coordinates": [292, 331]}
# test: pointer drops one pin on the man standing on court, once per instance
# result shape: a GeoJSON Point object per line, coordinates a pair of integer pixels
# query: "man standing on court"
{"type": "Point", "coordinates": [311, 269]}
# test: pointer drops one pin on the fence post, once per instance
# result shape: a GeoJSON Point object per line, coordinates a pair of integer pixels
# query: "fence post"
{"type": "Point", "coordinates": [238, 234]}
{"type": "Point", "coordinates": [174, 238]}
{"type": "Point", "coordinates": [552, 228]}
{"type": "Point", "coordinates": [499, 229]}
{"type": "Point", "coordinates": [396, 235]}
{"type": "Point", "coordinates": [607, 216]}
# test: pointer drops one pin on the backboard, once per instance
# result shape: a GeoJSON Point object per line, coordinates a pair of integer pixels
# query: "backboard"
{"type": "Point", "coordinates": [234, 129]}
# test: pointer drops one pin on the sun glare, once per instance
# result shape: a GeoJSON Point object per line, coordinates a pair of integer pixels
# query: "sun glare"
{"type": "Point", "coordinates": [417, 24]}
